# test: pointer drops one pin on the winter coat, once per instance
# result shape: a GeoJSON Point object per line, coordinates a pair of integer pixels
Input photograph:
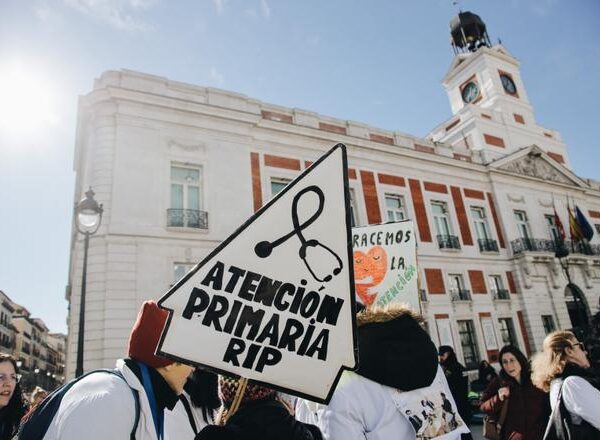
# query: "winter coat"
{"type": "Point", "coordinates": [397, 390]}
{"type": "Point", "coordinates": [101, 407]}
{"type": "Point", "coordinates": [580, 395]}
{"type": "Point", "coordinates": [177, 422]}
{"type": "Point", "coordinates": [528, 409]}
{"type": "Point", "coordinates": [265, 419]}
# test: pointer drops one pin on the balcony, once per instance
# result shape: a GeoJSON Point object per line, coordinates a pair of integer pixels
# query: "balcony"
{"type": "Point", "coordinates": [501, 294]}
{"type": "Point", "coordinates": [460, 295]}
{"type": "Point", "coordinates": [521, 245]}
{"type": "Point", "coordinates": [448, 242]}
{"type": "Point", "coordinates": [487, 245]}
{"type": "Point", "coordinates": [187, 218]}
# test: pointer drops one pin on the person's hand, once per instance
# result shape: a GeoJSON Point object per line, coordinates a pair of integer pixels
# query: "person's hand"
{"type": "Point", "coordinates": [503, 393]}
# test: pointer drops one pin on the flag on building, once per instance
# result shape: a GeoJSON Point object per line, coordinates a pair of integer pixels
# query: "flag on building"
{"type": "Point", "coordinates": [574, 228]}
{"type": "Point", "coordinates": [560, 250]}
{"type": "Point", "coordinates": [584, 226]}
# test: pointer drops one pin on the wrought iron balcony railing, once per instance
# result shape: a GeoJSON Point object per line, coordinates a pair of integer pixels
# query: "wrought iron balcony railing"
{"type": "Point", "coordinates": [488, 245]}
{"type": "Point", "coordinates": [448, 242]}
{"type": "Point", "coordinates": [545, 245]}
{"type": "Point", "coordinates": [422, 295]}
{"type": "Point", "coordinates": [460, 294]}
{"type": "Point", "coordinates": [501, 294]}
{"type": "Point", "coordinates": [187, 218]}
{"type": "Point", "coordinates": [532, 245]}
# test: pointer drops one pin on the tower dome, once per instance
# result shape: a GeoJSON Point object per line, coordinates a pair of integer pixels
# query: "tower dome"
{"type": "Point", "coordinates": [468, 32]}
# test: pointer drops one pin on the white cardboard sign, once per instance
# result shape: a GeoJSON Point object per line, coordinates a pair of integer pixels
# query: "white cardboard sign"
{"type": "Point", "coordinates": [275, 302]}
{"type": "Point", "coordinates": [385, 264]}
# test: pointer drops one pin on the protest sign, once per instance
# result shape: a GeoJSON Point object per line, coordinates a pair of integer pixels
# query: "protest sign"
{"type": "Point", "coordinates": [385, 264]}
{"type": "Point", "coordinates": [274, 302]}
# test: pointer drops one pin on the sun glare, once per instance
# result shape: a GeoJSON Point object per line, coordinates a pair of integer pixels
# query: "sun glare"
{"type": "Point", "coordinates": [28, 102]}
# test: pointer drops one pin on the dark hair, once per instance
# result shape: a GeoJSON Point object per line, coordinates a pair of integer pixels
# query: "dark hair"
{"type": "Point", "coordinates": [521, 358]}
{"type": "Point", "coordinates": [16, 407]}
{"type": "Point", "coordinates": [203, 388]}
{"type": "Point", "coordinates": [451, 359]}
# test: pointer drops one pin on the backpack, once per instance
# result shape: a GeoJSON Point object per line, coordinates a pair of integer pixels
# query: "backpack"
{"type": "Point", "coordinates": [35, 424]}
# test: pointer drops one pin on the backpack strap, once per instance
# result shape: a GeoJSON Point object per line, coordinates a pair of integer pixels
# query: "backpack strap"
{"type": "Point", "coordinates": [136, 399]}
{"type": "Point", "coordinates": [188, 410]}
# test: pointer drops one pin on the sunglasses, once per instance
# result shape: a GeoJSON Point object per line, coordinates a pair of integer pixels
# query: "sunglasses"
{"type": "Point", "coordinates": [580, 344]}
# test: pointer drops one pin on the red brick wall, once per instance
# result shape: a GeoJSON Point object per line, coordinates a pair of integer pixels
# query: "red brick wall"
{"type": "Point", "coordinates": [435, 187]}
{"type": "Point", "coordinates": [557, 157]}
{"type": "Point", "coordinates": [279, 117]}
{"type": "Point", "coordinates": [332, 128]}
{"type": "Point", "coordinates": [282, 162]}
{"type": "Point", "coordinates": [524, 332]}
{"type": "Point", "coordinates": [474, 194]}
{"type": "Point", "coordinates": [388, 179]}
{"type": "Point", "coordinates": [477, 281]}
{"type": "Point", "coordinates": [452, 124]}
{"type": "Point", "coordinates": [494, 140]}
{"type": "Point", "coordinates": [461, 214]}
{"type": "Point", "coordinates": [435, 281]}
{"type": "Point", "coordinates": [370, 193]}
{"type": "Point", "coordinates": [512, 287]}
{"type": "Point", "coordinates": [256, 187]}
{"type": "Point", "coordinates": [594, 214]}
{"type": "Point", "coordinates": [420, 212]}
{"type": "Point", "coordinates": [381, 138]}
{"type": "Point", "coordinates": [424, 148]}
{"type": "Point", "coordinates": [351, 173]}
{"type": "Point", "coordinates": [519, 118]}
{"type": "Point", "coordinates": [496, 220]}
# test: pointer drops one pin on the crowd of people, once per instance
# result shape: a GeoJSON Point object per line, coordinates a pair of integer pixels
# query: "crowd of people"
{"type": "Point", "coordinates": [404, 388]}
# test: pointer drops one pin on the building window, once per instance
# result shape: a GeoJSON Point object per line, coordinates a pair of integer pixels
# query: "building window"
{"type": "Point", "coordinates": [597, 226]}
{"type": "Point", "coordinates": [498, 290]}
{"type": "Point", "coordinates": [552, 229]}
{"type": "Point", "coordinates": [482, 229]}
{"type": "Point", "coordinates": [441, 219]}
{"type": "Point", "coordinates": [395, 208]}
{"type": "Point", "coordinates": [507, 331]}
{"type": "Point", "coordinates": [522, 224]}
{"type": "Point", "coordinates": [468, 341]}
{"type": "Point", "coordinates": [277, 185]}
{"type": "Point", "coordinates": [457, 288]}
{"type": "Point", "coordinates": [186, 201]}
{"type": "Point", "coordinates": [180, 270]}
{"type": "Point", "coordinates": [548, 322]}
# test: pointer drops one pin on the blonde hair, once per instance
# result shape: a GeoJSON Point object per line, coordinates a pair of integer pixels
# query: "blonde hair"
{"type": "Point", "coordinates": [551, 361]}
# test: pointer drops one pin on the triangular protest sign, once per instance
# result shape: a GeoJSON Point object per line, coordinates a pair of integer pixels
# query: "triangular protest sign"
{"type": "Point", "coordinates": [274, 302]}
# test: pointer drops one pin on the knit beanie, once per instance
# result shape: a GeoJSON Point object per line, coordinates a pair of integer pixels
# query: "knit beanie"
{"type": "Point", "coordinates": [144, 337]}
{"type": "Point", "coordinates": [228, 387]}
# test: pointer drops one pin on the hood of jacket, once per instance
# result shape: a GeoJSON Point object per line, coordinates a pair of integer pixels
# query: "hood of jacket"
{"type": "Point", "coordinates": [394, 350]}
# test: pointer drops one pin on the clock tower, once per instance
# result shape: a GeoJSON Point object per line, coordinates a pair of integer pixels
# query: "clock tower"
{"type": "Point", "coordinates": [491, 110]}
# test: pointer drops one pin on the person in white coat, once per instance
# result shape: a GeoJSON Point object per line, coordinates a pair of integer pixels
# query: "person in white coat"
{"type": "Point", "coordinates": [197, 407]}
{"type": "Point", "coordinates": [563, 368]}
{"type": "Point", "coordinates": [399, 391]}
{"type": "Point", "coordinates": [102, 406]}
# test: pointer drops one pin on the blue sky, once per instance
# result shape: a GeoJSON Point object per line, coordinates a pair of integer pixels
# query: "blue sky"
{"type": "Point", "coordinates": [379, 62]}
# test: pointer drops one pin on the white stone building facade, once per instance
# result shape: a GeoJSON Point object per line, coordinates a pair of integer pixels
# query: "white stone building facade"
{"type": "Point", "coordinates": [179, 167]}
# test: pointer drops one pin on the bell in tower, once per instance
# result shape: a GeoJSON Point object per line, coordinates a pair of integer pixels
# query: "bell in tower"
{"type": "Point", "coordinates": [468, 33]}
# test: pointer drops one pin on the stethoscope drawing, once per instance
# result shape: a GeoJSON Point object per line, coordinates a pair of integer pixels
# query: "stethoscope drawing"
{"type": "Point", "coordinates": [264, 248]}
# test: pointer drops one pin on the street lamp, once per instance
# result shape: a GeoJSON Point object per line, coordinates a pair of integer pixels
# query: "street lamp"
{"type": "Point", "coordinates": [88, 215]}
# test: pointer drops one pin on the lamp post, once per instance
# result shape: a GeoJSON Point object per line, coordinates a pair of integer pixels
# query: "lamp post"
{"type": "Point", "coordinates": [88, 215]}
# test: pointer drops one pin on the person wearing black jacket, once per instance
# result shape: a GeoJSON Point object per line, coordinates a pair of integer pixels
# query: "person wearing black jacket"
{"type": "Point", "coordinates": [457, 380]}
{"type": "Point", "coordinates": [261, 415]}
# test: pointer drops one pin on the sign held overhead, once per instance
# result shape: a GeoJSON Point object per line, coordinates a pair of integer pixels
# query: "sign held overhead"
{"type": "Point", "coordinates": [275, 300]}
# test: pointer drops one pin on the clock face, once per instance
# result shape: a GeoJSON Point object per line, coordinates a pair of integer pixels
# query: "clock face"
{"type": "Point", "coordinates": [470, 92]}
{"type": "Point", "coordinates": [508, 84]}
